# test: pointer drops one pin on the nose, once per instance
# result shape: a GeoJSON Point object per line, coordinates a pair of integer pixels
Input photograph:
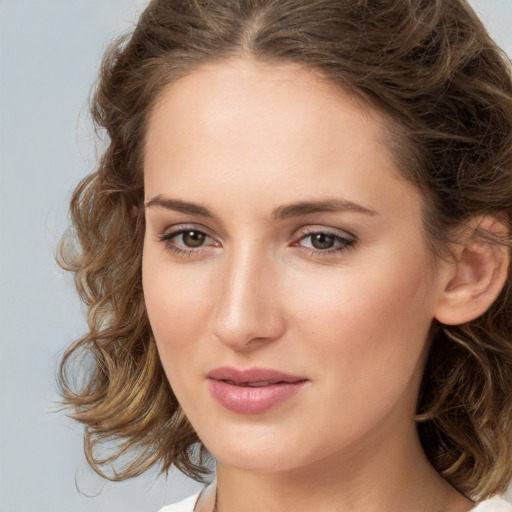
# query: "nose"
{"type": "Point", "coordinates": [247, 311]}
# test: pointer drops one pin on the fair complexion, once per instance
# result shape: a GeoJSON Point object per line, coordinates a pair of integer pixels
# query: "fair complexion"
{"type": "Point", "coordinates": [279, 235]}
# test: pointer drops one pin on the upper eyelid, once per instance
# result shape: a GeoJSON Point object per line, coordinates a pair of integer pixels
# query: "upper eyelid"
{"type": "Point", "coordinates": [312, 229]}
{"type": "Point", "coordinates": [179, 228]}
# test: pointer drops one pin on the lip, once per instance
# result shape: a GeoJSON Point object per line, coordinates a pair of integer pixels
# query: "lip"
{"type": "Point", "coordinates": [252, 390]}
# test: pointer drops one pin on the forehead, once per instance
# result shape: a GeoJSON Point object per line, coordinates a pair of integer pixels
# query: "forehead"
{"type": "Point", "coordinates": [281, 99]}
{"type": "Point", "coordinates": [259, 129]}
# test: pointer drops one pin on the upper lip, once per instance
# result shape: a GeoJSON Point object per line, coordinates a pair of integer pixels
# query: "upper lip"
{"type": "Point", "coordinates": [246, 375]}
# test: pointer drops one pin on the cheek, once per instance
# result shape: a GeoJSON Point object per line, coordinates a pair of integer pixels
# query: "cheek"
{"type": "Point", "coordinates": [388, 295]}
{"type": "Point", "coordinates": [365, 322]}
{"type": "Point", "coordinates": [177, 305]}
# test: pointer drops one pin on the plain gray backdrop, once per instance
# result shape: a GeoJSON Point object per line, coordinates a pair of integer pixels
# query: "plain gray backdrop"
{"type": "Point", "coordinates": [50, 51]}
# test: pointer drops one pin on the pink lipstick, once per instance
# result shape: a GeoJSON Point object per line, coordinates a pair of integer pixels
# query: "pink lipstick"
{"type": "Point", "coordinates": [253, 390]}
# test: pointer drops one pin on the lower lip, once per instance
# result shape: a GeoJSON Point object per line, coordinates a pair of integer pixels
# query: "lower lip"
{"type": "Point", "coordinates": [252, 400]}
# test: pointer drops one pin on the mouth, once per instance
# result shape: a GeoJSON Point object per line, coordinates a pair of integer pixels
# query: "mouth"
{"type": "Point", "coordinates": [253, 390]}
{"type": "Point", "coordinates": [252, 384]}
{"type": "Point", "coordinates": [252, 376]}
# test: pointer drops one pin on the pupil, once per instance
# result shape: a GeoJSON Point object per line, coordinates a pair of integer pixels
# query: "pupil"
{"type": "Point", "coordinates": [193, 238]}
{"type": "Point", "coordinates": [322, 241]}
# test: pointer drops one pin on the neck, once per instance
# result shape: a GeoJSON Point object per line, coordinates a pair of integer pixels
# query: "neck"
{"type": "Point", "coordinates": [380, 477]}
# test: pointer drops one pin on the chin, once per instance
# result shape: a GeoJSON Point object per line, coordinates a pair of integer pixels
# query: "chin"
{"type": "Point", "coordinates": [259, 461]}
{"type": "Point", "coordinates": [261, 452]}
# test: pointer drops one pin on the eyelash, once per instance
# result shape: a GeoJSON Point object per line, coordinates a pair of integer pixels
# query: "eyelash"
{"type": "Point", "coordinates": [346, 243]}
{"type": "Point", "coordinates": [168, 237]}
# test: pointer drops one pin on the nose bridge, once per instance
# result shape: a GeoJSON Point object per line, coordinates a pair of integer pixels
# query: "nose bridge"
{"type": "Point", "coordinates": [247, 307]}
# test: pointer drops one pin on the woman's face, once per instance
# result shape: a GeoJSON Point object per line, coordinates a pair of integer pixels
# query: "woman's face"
{"type": "Point", "coordinates": [285, 272]}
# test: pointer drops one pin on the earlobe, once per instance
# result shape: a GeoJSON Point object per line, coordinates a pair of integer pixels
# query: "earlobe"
{"type": "Point", "coordinates": [476, 276]}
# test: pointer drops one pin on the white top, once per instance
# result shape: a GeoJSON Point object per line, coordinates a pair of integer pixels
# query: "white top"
{"type": "Point", "coordinates": [492, 505]}
{"type": "Point", "coordinates": [187, 505]}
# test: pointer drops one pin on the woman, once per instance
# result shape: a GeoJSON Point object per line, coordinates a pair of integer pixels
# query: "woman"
{"type": "Point", "coordinates": [295, 256]}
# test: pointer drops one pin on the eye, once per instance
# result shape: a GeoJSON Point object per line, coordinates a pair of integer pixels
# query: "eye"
{"type": "Point", "coordinates": [324, 242]}
{"type": "Point", "coordinates": [192, 238]}
{"type": "Point", "coordinates": [183, 240]}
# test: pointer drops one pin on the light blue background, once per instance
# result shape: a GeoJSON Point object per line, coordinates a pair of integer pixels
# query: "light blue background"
{"type": "Point", "coordinates": [49, 55]}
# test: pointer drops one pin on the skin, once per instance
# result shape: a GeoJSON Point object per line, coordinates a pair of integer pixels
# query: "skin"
{"type": "Point", "coordinates": [244, 139]}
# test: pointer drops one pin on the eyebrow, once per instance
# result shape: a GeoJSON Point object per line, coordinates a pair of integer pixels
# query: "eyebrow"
{"type": "Point", "coordinates": [319, 206]}
{"type": "Point", "coordinates": [179, 206]}
{"type": "Point", "coordinates": [282, 212]}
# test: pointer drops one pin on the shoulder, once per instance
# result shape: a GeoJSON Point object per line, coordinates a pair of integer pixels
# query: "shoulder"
{"type": "Point", "coordinates": [495, 504]}
{"type": "Point", "coordinates": [187, 505]}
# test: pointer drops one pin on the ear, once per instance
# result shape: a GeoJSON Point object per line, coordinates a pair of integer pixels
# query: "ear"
{"type": "Point", "coordinates": [475, 277]}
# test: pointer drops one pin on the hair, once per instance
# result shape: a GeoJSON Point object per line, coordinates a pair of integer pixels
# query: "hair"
{"type": "Point", "coordinates": [445, 89]}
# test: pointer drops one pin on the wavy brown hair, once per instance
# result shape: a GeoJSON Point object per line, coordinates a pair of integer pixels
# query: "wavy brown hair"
{"type": "Point", "coordinates": [445, 89]}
